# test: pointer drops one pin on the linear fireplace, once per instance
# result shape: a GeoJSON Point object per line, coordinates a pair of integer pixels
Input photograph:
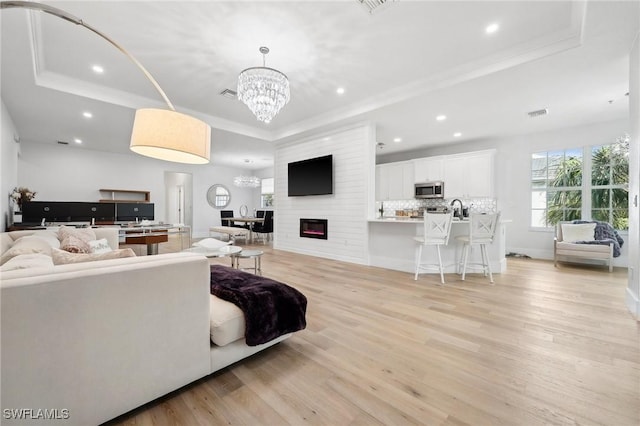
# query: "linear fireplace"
{"type": "Point", "coordinates": [313, 228]}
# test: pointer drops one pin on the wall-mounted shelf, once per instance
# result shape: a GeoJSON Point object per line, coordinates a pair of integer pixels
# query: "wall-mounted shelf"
{"type": "Point", "coordinates": [125, 196]}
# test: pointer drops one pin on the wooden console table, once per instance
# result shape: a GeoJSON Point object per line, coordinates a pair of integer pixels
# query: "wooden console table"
{"type": "Point", "coordinates": [152, 235]}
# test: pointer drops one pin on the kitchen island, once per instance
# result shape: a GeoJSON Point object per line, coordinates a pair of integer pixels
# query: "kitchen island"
{"type": "Point", "coordinates": [391, 245]}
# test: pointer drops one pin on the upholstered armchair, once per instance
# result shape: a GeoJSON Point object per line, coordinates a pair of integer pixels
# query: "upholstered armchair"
{"type": "Point", "coordinates": [586, 240]}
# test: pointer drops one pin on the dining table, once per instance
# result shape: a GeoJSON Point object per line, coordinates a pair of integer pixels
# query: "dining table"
{"type": "Point", "coordinates": [248, 220]}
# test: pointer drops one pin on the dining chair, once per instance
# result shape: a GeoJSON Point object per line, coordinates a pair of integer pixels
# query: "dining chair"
{"type": "Point", "coordinates": [266, 227]}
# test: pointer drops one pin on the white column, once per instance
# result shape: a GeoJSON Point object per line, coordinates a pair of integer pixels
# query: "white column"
{"type": "Point", "coordinates": [633, 288]}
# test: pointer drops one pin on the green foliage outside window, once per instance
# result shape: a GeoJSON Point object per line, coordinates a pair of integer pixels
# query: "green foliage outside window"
{"type": "Point", "coordinates": [609, 190]}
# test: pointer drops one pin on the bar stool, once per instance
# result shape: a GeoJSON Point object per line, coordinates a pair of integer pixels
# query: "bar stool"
{"type": "Point", "coordinates": [482, 230]}
{"type": "Point", "coordinates": [437, 228]}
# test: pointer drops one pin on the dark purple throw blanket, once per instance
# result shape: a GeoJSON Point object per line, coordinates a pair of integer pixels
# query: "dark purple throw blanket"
{"type": "Point", "coordinates": [270, 308]}
{"type": "Point", "coordinates": [604, 234]}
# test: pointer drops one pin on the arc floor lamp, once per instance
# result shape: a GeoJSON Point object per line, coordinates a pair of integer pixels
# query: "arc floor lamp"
{"type": "Point", "coordinates": [164, 134]}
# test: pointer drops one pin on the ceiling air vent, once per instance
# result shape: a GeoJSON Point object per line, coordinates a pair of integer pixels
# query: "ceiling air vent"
{"type": "Point", "coordinates": [538, 113]}
{"type": "Point", "coordinates": [63, 143]}
{"type": "Point", "coordinates": [374, 5]}
{"type": "Point", "coordinates": [228, 93]}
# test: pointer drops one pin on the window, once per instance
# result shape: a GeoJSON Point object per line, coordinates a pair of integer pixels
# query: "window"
{"type": "Point", "coordinates": [609, 184]}
{"type": "Point", "coordinates": [588, 183]}
{"type": "Point", "coordinates": [266, 197]}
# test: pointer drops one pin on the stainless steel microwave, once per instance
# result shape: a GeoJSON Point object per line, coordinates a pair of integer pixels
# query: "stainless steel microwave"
{"type": "Point", "coordinates": [429, 190]}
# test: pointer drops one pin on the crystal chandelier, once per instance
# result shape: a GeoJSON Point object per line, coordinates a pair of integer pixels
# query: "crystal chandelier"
{"type": "Point", "coordinates": [264, 90]}
{"type": "Point", "coordinates": [246, 181]}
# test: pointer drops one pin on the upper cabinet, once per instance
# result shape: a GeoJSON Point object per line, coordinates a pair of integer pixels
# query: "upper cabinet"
{"type": "Point", "coordinates": [430, 169]}
{"type": "Point", "coordinates": [394, 181]}
{"type": "Point", "coordinates": [469, 175]}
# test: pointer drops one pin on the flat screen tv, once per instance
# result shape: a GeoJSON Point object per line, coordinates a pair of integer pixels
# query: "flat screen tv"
{"type": "Point", "coordinates": [311, 177]}
{"type": "Point", "coordinates": [129, 212]}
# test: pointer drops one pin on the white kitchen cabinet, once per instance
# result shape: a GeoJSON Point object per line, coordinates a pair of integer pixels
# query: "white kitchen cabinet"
{"type": "Point", "coordinates": [394, 181]}
{"type": "Point", "coordinates": [456, 176]}
{"type": "Point", "coordinates": [469, 175]}
{"type": "Point", "coordinates": [428, 169]}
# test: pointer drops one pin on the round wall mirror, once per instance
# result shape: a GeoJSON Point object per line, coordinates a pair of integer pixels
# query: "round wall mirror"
{"type": "Point", "coordinates": [218, 196]}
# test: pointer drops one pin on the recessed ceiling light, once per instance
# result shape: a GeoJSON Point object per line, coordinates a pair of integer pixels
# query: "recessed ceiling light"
{"type": "Point", "coordinates": [492, 28]}
{"type": "Point", "coordinates": [97, 69]}
{"type": "Point", "coordinates": [396, 140]}
{"type": "Point", "coordinates": [457, 134]}
{"type": "Point", "coordinates": [87, 114]}
{"type": "Point", "coordinates": [441, 117]}
{"type": "Point", "coordinates": [340, 90]}
{"type": "Point", "coordinates": [326, 138]}
{"type": "Point", "coordinates": [77, 140]}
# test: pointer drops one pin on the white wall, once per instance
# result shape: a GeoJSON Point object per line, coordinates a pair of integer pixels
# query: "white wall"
{"type": "Point", "coordinates": [512, 177]}
{"type": "Point", "coordinates": [66, 173]}
{"type": "Point", "coordinates": [346, 210]}
{"type": "Point", "coordinates": [633, 288]}
{"type": "Point", "coordinates": [9, 151]}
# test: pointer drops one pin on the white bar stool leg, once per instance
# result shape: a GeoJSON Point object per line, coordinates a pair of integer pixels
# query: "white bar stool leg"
{"type": "Point", "coordinates": [418, 259]}
{"type": "Point", "coordinates": [465, 255]}
{"type": "Point", "coordinates": [440, 264]}
{"type": "Point", "coordinates": [486, 256]}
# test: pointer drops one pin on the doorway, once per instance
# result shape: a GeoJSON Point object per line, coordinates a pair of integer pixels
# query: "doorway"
{"type": "Point", "coordinates": [179, 198]}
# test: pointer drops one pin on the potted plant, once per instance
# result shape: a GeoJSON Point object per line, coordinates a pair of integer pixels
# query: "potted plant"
{"type": "Point", "coordinates": [20, 195]}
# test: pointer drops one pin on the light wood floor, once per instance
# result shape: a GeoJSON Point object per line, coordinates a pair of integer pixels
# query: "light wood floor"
{"type": "Point", "coordinates": [541, 346]}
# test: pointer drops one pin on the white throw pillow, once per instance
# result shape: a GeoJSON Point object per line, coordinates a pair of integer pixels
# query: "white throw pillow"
{"type": "Point", "coordinates": [99, 246]}
{"type": "Point", "coordinates": [27, 261]}
{"type": "Point", "coordinates": [50, 237]}
{"type": "Point", "coordinates": [211, 243]}
{"type": "Point", "coordinates": [578, 232]}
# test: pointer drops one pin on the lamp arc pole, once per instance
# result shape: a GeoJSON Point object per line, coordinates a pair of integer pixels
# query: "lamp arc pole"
{"type": "Point", "coordinates": [75, 20]}
{"type": "Point", "coordinates": [157, 133]}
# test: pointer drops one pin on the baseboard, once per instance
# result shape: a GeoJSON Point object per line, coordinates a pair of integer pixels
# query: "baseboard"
{"type": "Point", "coordinates": [620, 262]}
{"type": "Point", "coordinates": [408, 266]}
{"type": "Point", "coordinates": [321, 254]}
{"type": "Point", "coordinates": [633, 304]}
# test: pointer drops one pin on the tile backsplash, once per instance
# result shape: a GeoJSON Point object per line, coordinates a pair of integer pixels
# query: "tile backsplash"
{"type": "Point", "coordinates": [409, 207]}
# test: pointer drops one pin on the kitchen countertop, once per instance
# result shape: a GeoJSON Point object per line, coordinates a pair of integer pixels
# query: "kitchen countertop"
{"type": "Point", "coordinates": [402, 219]}
{"type": "Point", "coordinates": [407, 219]}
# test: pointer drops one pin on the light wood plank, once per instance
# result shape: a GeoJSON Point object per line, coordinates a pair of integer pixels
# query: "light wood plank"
{"type": "Point", "coordinates": [542, 346]}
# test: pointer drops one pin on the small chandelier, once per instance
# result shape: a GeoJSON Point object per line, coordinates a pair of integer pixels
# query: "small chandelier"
{"type": "Point", "coordinates": [246, 181]}
{"type": "Point", "coordinates": [264, 90]}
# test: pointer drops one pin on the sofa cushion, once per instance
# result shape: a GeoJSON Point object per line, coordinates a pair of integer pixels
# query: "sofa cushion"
{"type": "Point", "coordinates": [26, 245]}
{"type": "Point", "coordinates": [28, 261]}
{"type": "Point", "coordinates": [226, 321]}
{"type": "Point", "coordinates": [76, 240]}
{"type": "Point", "coordinates": [578, 232]}
{"type": "Point", "coordinates": [62, 257]}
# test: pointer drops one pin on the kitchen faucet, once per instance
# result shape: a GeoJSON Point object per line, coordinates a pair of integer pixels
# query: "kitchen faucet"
{"type": "Point", "coordinates": [459, 215]}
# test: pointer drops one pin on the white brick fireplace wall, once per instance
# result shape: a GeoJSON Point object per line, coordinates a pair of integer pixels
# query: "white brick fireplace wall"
{"type": "Point", "coordinates": [347, 209]}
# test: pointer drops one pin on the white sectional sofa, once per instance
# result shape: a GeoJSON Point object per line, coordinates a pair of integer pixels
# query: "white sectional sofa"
{"type": "Point", "coordinates": [91, 341]}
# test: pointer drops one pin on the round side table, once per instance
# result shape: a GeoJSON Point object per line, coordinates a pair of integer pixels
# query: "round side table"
{"type": "Point", "coordinates": [256, 255]}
